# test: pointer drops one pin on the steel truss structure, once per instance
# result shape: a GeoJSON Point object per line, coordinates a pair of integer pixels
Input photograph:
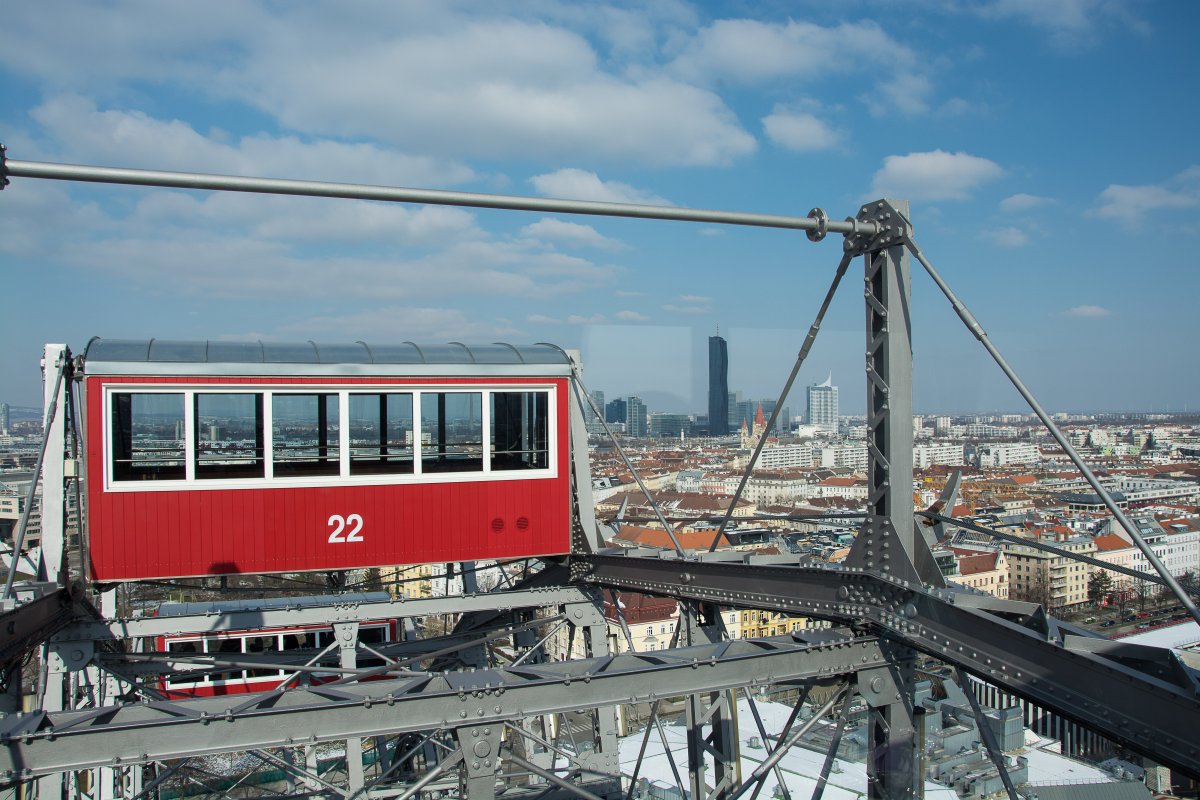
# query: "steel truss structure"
{"type": "Point", "coordinates": [484, 709]}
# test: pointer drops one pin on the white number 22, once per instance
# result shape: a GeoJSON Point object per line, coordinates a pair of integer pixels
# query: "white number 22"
{"type": "Point", "coordinates": [340, 523]}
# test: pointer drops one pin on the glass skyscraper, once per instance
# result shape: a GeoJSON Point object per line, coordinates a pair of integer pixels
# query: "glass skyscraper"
{"type": "Point", "coordinates": [635, 416]}
{"type": "Point", "coordinates": [718, 387]}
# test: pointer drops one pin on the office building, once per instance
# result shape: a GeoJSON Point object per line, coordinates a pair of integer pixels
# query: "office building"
{"type": "Point", "coordinates": [635, 416]}
{"type": "Point", "coordinates": [670, 425]}
{"type": "Point", "coordinates": [733, 419]}
{"type": "Point", "coordinates": [615, 411]}
{"type": "Point", "coordinates": [718, 386]}
{"type": "Point", "coordinates": [823, 406]}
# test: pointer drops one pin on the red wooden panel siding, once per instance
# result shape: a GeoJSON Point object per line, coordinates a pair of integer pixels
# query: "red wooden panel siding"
{"type": "Point", "coordinates": [190, 532]}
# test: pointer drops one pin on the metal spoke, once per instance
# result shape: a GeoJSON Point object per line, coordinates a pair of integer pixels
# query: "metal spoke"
{"type": "Point", "coordinates": [583, 395]}
{"type": "Point", "coordinates": [300, 773]}
{"type": "Point", "coordinates": [762, 731]}
{"type": "Point", "coordinates": [552, 778]}
{"type": "Point", "coordinates": [670, 756]}
{"type": "Point", "coordinates": [763, 769]}
{"type": "Point", "coordinates": [432, 775]}
{"type": "Point", "coordinates": [23, 523]}
{"type": "Point", "coordinates": [397, 762]}
{"type": "Point", "coordinates": [787, 388]}
{"type": "Point", "coordinates": [541, 642]}
{"type": "Point", "coordinates": [831, 754]}
{"type": "Point", "coordinates": [1049, 548]}
{"type": "Point", "coordinates": [977, 330]}
{"type": "Point", "coordinates": [986, 732]}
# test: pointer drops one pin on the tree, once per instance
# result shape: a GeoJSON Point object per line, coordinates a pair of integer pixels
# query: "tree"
{"type": "Point", "coordinates": [1142, 589]}
{"type": "Point", "coordinates": [1035, 589]}
{"type": "Point", "coordinates": [1100, 583]}
{"type": "Point", "coordinates": [1189, 581]}
{"type": "Point", "coordinates": [373, 580]}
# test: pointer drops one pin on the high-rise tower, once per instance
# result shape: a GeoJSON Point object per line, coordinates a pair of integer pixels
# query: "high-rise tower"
{"type": "Point", "coordinates": [823, 405]}
{"type": "Point", "coordinates": [635, 416]}
{"type": "Point", "coordinates": [718, 386]}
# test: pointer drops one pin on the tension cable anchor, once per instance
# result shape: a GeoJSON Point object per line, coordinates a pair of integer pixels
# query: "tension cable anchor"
{"type": "Point", "coordinates": [818, 233]}
{"type": "Point", "coordinates": [3, 166]}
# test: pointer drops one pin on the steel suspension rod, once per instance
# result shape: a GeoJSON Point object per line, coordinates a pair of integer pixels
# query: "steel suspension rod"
{"type": "Point", "coordinates": [23, 523]}
{"type": "Point", "coordinates": [762, 770]}
{"type": "Point", "coordinates": [787, 387]}
{"type": "Point", "coordinates": [979, 333]}
{"type": "Point", "coordinates": [817, 223]}
{"type": "Point", "coordinates": [989, 736]}
{"type": "Point", "coordinates": [584, 395]}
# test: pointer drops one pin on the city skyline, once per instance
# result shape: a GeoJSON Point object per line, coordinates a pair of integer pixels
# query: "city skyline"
{"type": "Point", "coordinates": [1006, 125]}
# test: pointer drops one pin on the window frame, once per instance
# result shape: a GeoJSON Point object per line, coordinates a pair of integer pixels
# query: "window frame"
{"type": "Point", "coordinates": [344, 476]}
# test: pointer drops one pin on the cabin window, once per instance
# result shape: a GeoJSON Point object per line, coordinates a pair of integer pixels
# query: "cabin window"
{"type": "Point", "coordinates": [226, 648]}
{"type": "Point", "coordinates": [301, 640]}
{"type": "Point", "coordinates": [229, 435]}
{"type": "Point", "coordinates": [381, 433]}
{"type": "Point", "coordinates": [265, 644]}
{"type": "Point", "coordinates": [372, 636]}
{"type": "Point", "coordinates": [304, 434]}
{"type": "Point", "coordinates": [148, 436]}
{"type": "Point", "coordinates": [451, 431]}
{"type": "Point", "coordinates": [520, 430]}
{"type": "Point", "coordinates": [185, 647]}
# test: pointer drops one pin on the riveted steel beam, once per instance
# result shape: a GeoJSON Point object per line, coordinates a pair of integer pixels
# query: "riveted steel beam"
{"type": "Point", "coordinates": [1154, 710]}
{"type": "Point", "coordinates": [41, 743]}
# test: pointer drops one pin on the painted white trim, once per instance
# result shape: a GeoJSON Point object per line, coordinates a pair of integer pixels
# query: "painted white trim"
{"type": "Point", "coordinates": [191, 483]}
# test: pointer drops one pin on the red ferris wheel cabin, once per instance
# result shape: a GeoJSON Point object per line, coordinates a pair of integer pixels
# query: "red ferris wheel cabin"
{"type": "Point", "coordinates": [219, 458]}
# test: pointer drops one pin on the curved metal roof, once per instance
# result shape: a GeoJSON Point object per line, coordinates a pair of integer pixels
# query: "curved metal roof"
{"type": "Point", "coordinates": [110, 356]}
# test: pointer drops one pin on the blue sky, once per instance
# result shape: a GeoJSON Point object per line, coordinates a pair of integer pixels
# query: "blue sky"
{"type": "Point", "coordinates": [1046, 147]}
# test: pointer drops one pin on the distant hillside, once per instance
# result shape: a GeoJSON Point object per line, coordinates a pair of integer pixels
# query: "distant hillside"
{"type": "Point", "coordinates": [24, 413]}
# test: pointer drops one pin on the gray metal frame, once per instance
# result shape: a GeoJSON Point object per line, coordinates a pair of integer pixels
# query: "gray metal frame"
{"type": "Point", "coordinates": [889, 601]}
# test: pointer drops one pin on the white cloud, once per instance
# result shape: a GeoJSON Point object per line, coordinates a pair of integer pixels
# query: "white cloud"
{"type": "Point", "coordinates": [1021, 201]}
{"type": "Point", "coordinates": [578, 184]}
{"type": "Point", "coordinates": [959, 107]}
{"type": "Point", "coordinates": [678, 309]}
{"type": "Point", "coordinates": [1007, 237]}
{"type": "Point", "coordinates": [396, 323]}
{"type": "Point", "coordinates": [1088, 312]}
{"type": "Point", "coordinates": [935, 175]}
{"type": "Point", "coordinates": [906, 92]}
{"type": "Point", "coordinates": [799, 131]}
{"type": "Point", "coordinates": [570, 233]}
{"type": "Point", "coordinates": [39, 214]}
{"type": "Point", "coordinates": [1070, 23]}
{"type": "Point", "coordinates": [1130, 204]}
{"type": "Point", "coordinates": [631, 316]}
{"type": "Point", "coordinates": [310, 219]}
{"type": "Point", "coordinates": [488, 88]}
{"type": "Point", "coordinates": [747, 51]}
{"type": "Point", "coordinates": [475, 82]}
{"type": "Point", "coordinates": [694, 298]}
{"type": "Point", "coordinates": [579, 319]}
{"type": "Point", "coordinates": [233, 263]}
{"type": "Point", "coordinates": [134, 139]}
